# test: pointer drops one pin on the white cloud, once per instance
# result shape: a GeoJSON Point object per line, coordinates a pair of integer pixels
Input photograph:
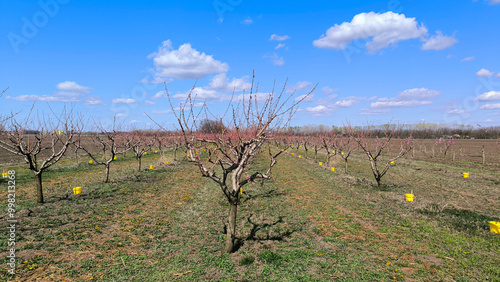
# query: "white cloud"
{"type": "Point", "coordinates": [307, 98]}
{"type": "Point", "coordinates": [120, 115]}
{"type": "Point", "coordinates": [383, 29]}
{"type": "Point", "coordinates": [277, 60]}
{"type": "Point", "coordinates": [387, 103]}
{"type": "Point", "coordinates": [123, 101]}
{"type": "Point", "coordinates": [407, 98]}
{"type": "Point", "coordinates": [149, 103]}
{"type": "Point", "coordinates": [71, 86]}
{"type": "Point", "coordinates": [301, 85]}
{"type": "Point", "coordinates": [65, 97]}
{"type": "Point", "coordinates": [489, 96]}
{"type": "Point", "coordinates": [93, 101]}
{"type": "Point", "coordinates": [279, 37]}
{"type": "Point", "coordinates": [321, 109]}
{"type": "Point", "coordinates": [161, 112]}
{"type": "Point", "coordinates": [281, 45]}
{"type": "Point", "coordinates": [458, 112]}
{"type": "Point", "coordinates": [494, 2]}
{"type": "Point", "coordinates": [159, 95]}
{"type": "Point", "coordinates": [327, 107]}
{"type": "Point", "coordinates": [373, 112]}
{"type": "Point", "coordinates": [488, 120]}
{"type": "Point", "coordinates": [490, 107]}
{"type": "Point", "coordinates": [439, 42]}
{"type": "Point", "coordinates": [418, 93]}
{"type": "Point", "coordinates": [184, 63]}
{"type": "Point", "coordinates": [498, 76]}
{"type": "Point", "coordinates": [247, 21]}
{"type": "Point", "coordinates": [347, 102]}
{"type": "Point", "coordinates": [71, 93]}
{"type": "Point", "coordinates": [221, 82]}
{"type": "Point", "coordinates": [327, 90]}
{"type": "Point", "coordinates": [484, 73]}
{"type": "Point", "coordinates": [468, 59]}
{"type": "Point", "coordinates": [200, 93]}
{"type": "Point", "coordinates": [134, 121]}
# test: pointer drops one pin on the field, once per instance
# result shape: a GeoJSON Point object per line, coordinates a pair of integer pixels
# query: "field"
{"type": "Point", "coordinates": [306, 224]}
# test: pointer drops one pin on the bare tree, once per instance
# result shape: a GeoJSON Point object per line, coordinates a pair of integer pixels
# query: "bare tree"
{"type": "Point", "coordinates": [374, 146]}
{"type": "Point", "coordinates": [444, 146]}
{"type": "Point", "coordinates": [141, 143]}
{"type": "Point", "coordinates": [111, 142]}
{"type": "Point", "coordinates": [230, 150]}
{"type": "Point", "coordinates": [344, 146]}
{"type": "Point", "coordinates": [48, 143]}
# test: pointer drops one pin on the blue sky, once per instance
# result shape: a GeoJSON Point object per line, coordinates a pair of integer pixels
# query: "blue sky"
{"type": "Point", "coordinates": [373, 61]}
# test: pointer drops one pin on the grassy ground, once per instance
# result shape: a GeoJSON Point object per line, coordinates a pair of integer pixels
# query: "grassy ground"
{"type": "Point", "coordinates": [307, 224]}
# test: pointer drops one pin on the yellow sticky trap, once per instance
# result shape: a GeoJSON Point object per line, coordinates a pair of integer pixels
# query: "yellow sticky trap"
{"type": "Point", "coordinates": [495, 227]}
{"type": "Point", "coordinates": [392, 162]}
{"type": "Point", "coordinates": [91, 162]}
{"type": "Point", "coordinates": [241, 190]}
{"type": "Point", "coordinates": [320, 163]}
{"type": "Point", "coordinates": [333, 169]}
{"type": "Point", "coordinates": [151, 167]}
{"type": "Point", "coordinates": [465, 175]}
{"type": "Point", "coordinates": [300, 156]}
{"type": "Point", "coordinates": [115, 158]}
{"type": "Point", "coordinates": [166, 162]}
{"type": "Point", "coordinates": [333, 151]}
{"type": "Point", "coordinates": [77, 190]}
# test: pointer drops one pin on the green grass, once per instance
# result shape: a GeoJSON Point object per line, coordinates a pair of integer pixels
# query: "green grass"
{"type": "Point", "coordinates": [307, 224]}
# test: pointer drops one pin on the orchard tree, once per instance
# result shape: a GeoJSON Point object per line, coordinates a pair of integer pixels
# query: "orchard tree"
{"type": "Point", "coordinates": [248, 125]}
{"type": "Point", "coordinates": [45, 146]}
{"type": "Point", "coordinates": [344, 147]}
{"type": "Point", "coordinates": [373, 146]}
{"type": "Point", "coordinates": [444, 146]}
{"type": "Point", "coordinates": [141, 142]}
{"type": "Point", "coordinates": [111, 142]}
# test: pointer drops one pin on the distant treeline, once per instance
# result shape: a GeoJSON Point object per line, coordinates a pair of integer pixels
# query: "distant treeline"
{"type": "Point", "coordinates": [419, 131]}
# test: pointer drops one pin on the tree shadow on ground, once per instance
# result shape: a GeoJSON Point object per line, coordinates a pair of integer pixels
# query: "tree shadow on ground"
{"type": "Point", "coordinates": [460, 219]}
{"type": "Point", "coordinates": [267, 194]}
{"type": "Point", "coordinates": [252, 236]}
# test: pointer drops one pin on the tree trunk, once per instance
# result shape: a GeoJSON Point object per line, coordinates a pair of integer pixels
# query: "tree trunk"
{"type": "Point", "coordinates": [106, 179]}
{"type": "Point", "coordinates": [345, 171]}
{"type": "Point", "coordinates": [378, 181]}
{"type": "Point", "coordinates": [39, 191]}
{"type": "Point", "coordinates": [139, 164]}
{"type": "Point", "coordinates": [231, 228]}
